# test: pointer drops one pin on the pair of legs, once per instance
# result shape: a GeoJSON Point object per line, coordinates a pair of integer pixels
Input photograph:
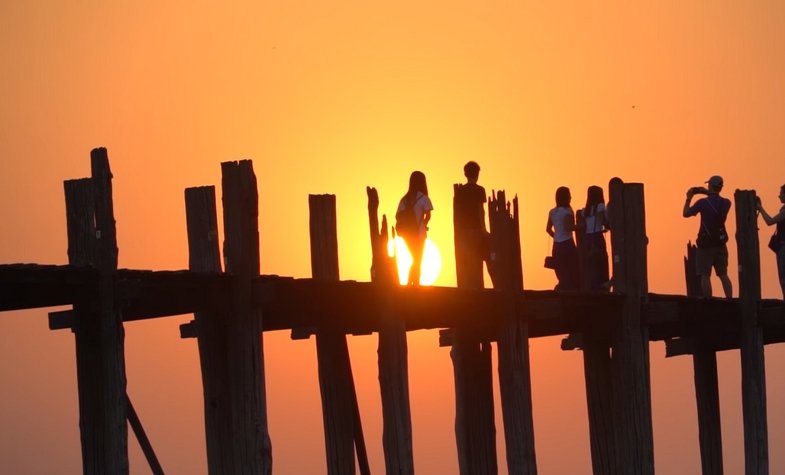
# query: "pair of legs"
{"type": "Point", "coordinates": [781, 268]}
{"type": "Point", "coordinates": [565, 257]}
{"type": "Point", "coordinates": [416, 247]}
{"type": "Point", "coordinates": [717, 258]}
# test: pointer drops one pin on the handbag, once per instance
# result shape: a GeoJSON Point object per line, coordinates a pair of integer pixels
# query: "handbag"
{"type": "Point", "coordinates": [774, 242]}
{"type": "Point", "coordinates": [549, 262]}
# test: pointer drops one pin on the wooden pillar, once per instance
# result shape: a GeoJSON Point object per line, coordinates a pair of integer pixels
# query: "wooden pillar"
{"type": "Point", "coordinates": [597, 370]}
{"type": "Point", "coordinates": [474, 420]}
{"type": "Point", "coordinates": [753, 376]}
{"type": "Point", "coordinates": [245, 353]}
{"type": "Point", "coordinates": [211, 330]}
{"type": "Point", "coordinates": [393, 364]}
{"type": "Point", "coordinates": [80, 221]}
{"type": "Point", "coordinates": [342, 426]}
{"type": "Point", "coordinates": [630, 358]}
{"type": "Point", "coordinates": [99, 330]}
{"type": "Point", "coordinates": [707, 393]}
{"type": "Point", "coordinates": [513, 339]}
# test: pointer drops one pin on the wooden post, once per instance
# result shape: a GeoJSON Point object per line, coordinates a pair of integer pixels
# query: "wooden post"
{"type": "Point", "coordinates": [99, 329]}
{"type": "Point", "coordinates": [393, 364]}
{"type": "Point", "coordinates": [707, 393]}
{"type": "Point", "coordinates": [342, 426]}
{"type": "Point", "coordinates": [632, 391]}
{"type": "Point", "coordinates": [753, 376]}
{"type": "Point", "coordinates": [211, 330]}
{"type": "Point", "coordinates": [80, 221]}
{"type": "Point", "coordinates": [245, 353]}
{"type": "Point", "coordinates": [513, 340]}
{"type": "Point", "coordinates": [474, 420]}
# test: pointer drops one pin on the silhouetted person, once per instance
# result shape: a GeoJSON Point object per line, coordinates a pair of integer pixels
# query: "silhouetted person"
{"type": "Point", "coordinates": [591, 226]}
{"type": "Point", "coordinates": [712, 249]}
{"type": "Point", "coordinates": [561, 224]}
{"type": "Point", "coordinates": [779, 220]}
{"type": "Point", "coordinates": [471, 236]}
{"type": "Point", "coordinates": [414, 212]}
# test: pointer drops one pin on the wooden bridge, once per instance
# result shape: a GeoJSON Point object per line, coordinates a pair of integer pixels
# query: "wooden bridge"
{"type": "Point", "coordinates": [233, 306]}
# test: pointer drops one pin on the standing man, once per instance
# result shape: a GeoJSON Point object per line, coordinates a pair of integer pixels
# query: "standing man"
{"type": "Point", "coordinates": [712, 237]}
{"type": "Point", "coordinates": [472, 239]}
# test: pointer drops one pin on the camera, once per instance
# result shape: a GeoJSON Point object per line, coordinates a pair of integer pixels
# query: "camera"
{"type": "Point", "coordinates": [699, 190]}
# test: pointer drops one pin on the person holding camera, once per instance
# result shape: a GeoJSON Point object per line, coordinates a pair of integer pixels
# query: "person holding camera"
{"type": "Point", "coordinates": [712, 237]}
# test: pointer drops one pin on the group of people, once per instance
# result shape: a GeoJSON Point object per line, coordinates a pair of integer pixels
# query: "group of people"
{"type": "Point", "coordinates": [712, 248]}
{"type": "Point", "coordinates": [579, 254]}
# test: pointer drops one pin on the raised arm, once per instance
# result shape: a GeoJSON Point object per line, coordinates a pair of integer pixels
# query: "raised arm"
{"type": "Point", "coordinates": [768, 219]}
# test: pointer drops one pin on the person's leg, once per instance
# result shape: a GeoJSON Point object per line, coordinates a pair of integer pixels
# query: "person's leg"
{"type": "Point", "coordinates": [781, 268]}
{"type": "Point", "coordinates": [721, 267]}
{"type": "Point", "coordinates": [416, 248]}
{"type": "Point", "coordinates": [703, 263]}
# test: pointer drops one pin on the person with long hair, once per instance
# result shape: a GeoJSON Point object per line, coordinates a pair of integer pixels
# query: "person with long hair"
{"type": "Point", "coordinates": [415, 203]}
{"type": "Point", "coordinates": [591, 226]}
{"type": "Point", "coordinates": [560, 226]}
{"type": "Point", "coordinates": [779, 241]}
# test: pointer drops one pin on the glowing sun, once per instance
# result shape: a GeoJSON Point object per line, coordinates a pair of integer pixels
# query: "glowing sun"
{"type": "Point", "coordinates": [431, 261]}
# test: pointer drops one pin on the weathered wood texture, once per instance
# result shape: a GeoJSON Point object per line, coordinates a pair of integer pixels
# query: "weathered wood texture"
{"type": "Point", "coordinates": [80, 222]}
{"type": "Point", "coordinates": [245, 360]}
{"type": "Point", "coordinates": [393, 351]}
{"type": "Point", "coordinates": [99, 331]}
{"type": "Point", "coordinates": [339, 401]}
{"type": "Point", "coordinates": [753, 374]}
{"type": "Point", "coordinates": [513, 340]}
{"type": "Point", "coordinates": [707, 393]}
{"type": "Point", "coordinates": [211, 330]}
{"type": "Point", "coordinates": [630, 364]}
{"type": "Point", "coordinates": [475, 432]}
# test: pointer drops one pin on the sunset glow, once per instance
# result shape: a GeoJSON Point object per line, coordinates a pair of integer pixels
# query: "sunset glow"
{"type": "Point", "coordinates": [431, 260]}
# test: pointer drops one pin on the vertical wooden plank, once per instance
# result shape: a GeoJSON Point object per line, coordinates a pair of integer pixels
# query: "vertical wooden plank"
{"type": "Point", "coordinates": [513, 340]}
{"type": "Point", "coordinates": [393, 364]}
{"type": "Point", "coordinates": [342, 426]}
{"type": "Point", "coordinates": [707, 392]}
{"type": "Point", "coordinates": [475, 432]}
{"type": "Point", "coordinates": [753, 379]}
{"type": "Point", "coordinates": [245, 353]}
{"type": "Point", "coordinates": [80, 222]}
{"type": "Point", "coordinates": [597, 370]}
{"type": "Point", "coordinates": [632, 391]}
{"type": "Point", "coordinates": [211, 331]}
{"type": "Point", "coordinates": [112, 334]}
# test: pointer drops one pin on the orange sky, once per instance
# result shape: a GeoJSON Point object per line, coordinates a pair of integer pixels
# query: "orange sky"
{"type": "Point", "coordinates": [329, 97]}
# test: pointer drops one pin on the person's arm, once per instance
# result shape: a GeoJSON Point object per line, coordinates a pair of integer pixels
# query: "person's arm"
{"type": "Point", "coordinates": [687, 212]}
{"type": "Point", "coordinates": [426, 219]}
{"type": "Point", "coordinates": [549, 226]}
{"type": "Point", "coordinates": [768, 218]}
{"type": "Point", "coordinates": [569, 222]}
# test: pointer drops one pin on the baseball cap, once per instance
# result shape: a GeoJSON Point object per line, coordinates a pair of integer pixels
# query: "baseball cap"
{"type": "Point", "coordinates": [715, 181]}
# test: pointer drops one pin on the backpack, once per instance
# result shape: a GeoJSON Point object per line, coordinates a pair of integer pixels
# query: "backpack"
{"type": "Point", "coordinates": [406, 222]}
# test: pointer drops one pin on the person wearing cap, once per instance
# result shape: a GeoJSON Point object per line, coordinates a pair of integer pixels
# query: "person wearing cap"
{"type": "Point", "coordinates": [712, 237]}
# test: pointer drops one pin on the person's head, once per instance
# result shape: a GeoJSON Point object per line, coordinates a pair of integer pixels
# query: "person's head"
{"type": "Point", "coordinates": [594, 196]}
{"type": "Point", "coordinates": [782, 193]}
{"type": "Point", "coordinates": [563, 196]}
{"type": "Point", "coordinates": [417, 183]}
{"type": "Point", "coordinates": [472, 171]}
{"type": "Point", "coordinates": [613, 183]}
{"type": "Point", "coordinates": [715, 184]}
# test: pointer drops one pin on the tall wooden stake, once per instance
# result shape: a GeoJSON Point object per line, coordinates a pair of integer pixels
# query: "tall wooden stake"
{"type": "Point", "coordinates": [475, 432]}
{"type": "Point", "coordinates": [211, 329]}
{"type": "Point", "coordinates": [393, 363]}
{"type": "Point", "coordinates": [342, 426]}
{"type": "Point", "coordinates": [245, 353]}
{"type": "Point", "coordinates": [632, 394]}
{"type": "Point", "coordinates": [753, 375]}
{"type": "Point", "coordinates": [513, 342]}
{"type": "Point", "coordinates": [707, 392]}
